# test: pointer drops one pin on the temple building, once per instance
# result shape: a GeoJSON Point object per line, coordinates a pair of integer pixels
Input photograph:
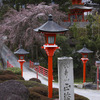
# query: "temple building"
{"type": "Point", "coordinates": [76, 11]}
{"type": "Point", "coordinates": [1, 3]}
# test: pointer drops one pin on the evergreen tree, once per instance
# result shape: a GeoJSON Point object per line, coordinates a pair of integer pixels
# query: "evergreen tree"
{"type": "Point", "coordinates": [96, 1]}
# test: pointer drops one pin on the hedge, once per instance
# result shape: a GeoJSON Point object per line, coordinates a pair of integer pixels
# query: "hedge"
{"type": "Point", "coordinates": [35, 79]}
{"type": "Point", "coordinates": [15, 70]}
{"type": "Point", "coordinates": [30, 84]}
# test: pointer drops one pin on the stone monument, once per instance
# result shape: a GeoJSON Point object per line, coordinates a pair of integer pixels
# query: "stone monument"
{"type": "Point", "coordinates": [65, 78]}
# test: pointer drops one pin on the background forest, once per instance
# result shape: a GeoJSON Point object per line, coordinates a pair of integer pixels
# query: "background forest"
{"type": "Point", "coordinates": [17, 24]}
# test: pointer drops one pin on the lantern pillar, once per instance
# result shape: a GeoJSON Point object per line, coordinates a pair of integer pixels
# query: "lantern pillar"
{"type": "Point", "coordinates": [50, 49]}
{"type": "Point", "coordinates": [50, 75]}
{"type": "Point", "coordinates": [97, 77]}
{"type": "Point", "coordinates": [84, 60]}
{"type": "Point", "coordinates": [97, 65]}
{"type": "Point", "coordinates": [50, 29]}
{"type": "Point", "coordinates": [21, 66]}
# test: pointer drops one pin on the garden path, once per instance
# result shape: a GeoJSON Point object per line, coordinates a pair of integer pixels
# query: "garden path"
{"type": "Point", "coordinates": [91, 94]}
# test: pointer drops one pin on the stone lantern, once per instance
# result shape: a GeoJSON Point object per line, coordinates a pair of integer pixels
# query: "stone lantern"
{"type": "Point", "coordinates": [21, 53]}
{"type": "Point", "coordinates": [84, 51]}
{"type": "Point", "coordinates": [50, 29]}
{"type": "Point", "coordinates": [97, 63]}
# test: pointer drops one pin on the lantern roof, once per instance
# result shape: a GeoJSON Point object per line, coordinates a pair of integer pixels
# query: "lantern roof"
{"type": "Point", "coordinates": [80, 7]}
{"type": "Point", "coordinates": [84, 50]}
{"type": "Point", "coordinates": [21, 51]}
{"type": "Point", "coordinates": [36, 63]}
{"type": "Point", "coordinates": [97, 62]}
{"type": "Point", "coordinates": [51, 27]}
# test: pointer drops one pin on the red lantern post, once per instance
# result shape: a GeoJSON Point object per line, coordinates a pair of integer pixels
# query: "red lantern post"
{"type": "Point", "coordinates": [21, 61]}
{"type": "Point", "coordinates": [50, 52]}
{"type": "Point", "coordinates": [50, 29]}
{"type": "Point", "coordinates": [84, 60]}
{"type": "Point", "coordinates": [97, 65]}
{"type": "Point", "coordinates": [21, 52]}
{"type": "Point", "coordinates": [84, 51]}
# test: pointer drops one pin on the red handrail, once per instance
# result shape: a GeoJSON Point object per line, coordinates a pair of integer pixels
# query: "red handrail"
{"type": "Point", "coordinates": [40, 69]}
{"type": "Point", "coordinates": [31, 65]}
{"type": "Point", "coordinates": [9, 65]}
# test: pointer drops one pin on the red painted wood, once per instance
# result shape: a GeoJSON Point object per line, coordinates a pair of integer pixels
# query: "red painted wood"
{"type": "Point", "coordinates": [41, 70]}
{"type": "Point", "coordinates": [50, 76]}
{"type": "Point", "coordinates": [9, 65]}
{"type": "Point", "coordinates": [97, 77]}
{"type": "Point", "coordinates": [84, 60]}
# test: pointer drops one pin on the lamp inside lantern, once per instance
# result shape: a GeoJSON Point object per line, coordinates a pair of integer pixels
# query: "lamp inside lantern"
{"type": "Point", "coordinates": [36, 64]}
{"type": "Point", "coordinates": [21, 57]}
{"type": "Point", "coordinates": [50, 38]}
{"type": "Point", "coordinates": [84, 55]}
{"type": "Point", "coordinates": [97, 63]}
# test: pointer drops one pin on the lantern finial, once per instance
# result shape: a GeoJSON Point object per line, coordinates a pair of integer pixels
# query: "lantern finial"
{"type": "Point", "coordinates": [20, 46]}
{"type": "Point", "coordinates": [84, 45]}
{"type": "Point", "coordinates": [50, 17]}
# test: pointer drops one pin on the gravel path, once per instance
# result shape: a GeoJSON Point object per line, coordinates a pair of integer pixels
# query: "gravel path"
{"type": "Point", "coordinates": [91, 94]}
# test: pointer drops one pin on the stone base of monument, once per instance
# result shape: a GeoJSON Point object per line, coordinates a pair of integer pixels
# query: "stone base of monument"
{"type": "Point", "coordinates": [89, 85]}
{"type": "Point", "coordinates": [80, 86]}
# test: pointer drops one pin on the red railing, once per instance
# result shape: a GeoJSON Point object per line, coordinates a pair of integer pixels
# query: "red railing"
{"type": "Point", "coordinates": [39, 69]}
{"type": "Point", "coordinates": [9, 65]}
{"type": "Point", "coordinates": [31, 65]}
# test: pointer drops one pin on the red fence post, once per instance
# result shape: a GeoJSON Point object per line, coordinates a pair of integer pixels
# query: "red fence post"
{"type": "Point", "coordinates": [41, 69]}
{"type": "Point", "coordinates": [7, 63]}
{"type": "Point", "coordinates": [43, 72]}
{"type": "Point", "coordinates": [30, 64]}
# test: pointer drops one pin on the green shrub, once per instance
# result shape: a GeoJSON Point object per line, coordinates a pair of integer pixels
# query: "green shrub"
{"type": "Point", "coordinates": [55, 93]}
{"type": "Point", "coordinates": [4, 72]}
{"type": "Point", "coordinates": [20, 77]}
{"type": "Point", "coordinates": [44, 91]}
{"type": "Point", "coordinates": [78, 97]}
{"type": "Point", "coordinates": [37, 96]}
{"type": "Point", "coordinates": [35, 79]}
{"type": "Point", "coordinates": [41, 90]}
{"type": "Point", "coordinates": [32, 84]}
{"type": "Point", "coordinates": [56, 96]}
{"type": "Point", "coordinates": [15, 70]}
{"type": "Point", "coordinates": [34, 96]}
{"type": "Point", "coordinates": [8, 77]}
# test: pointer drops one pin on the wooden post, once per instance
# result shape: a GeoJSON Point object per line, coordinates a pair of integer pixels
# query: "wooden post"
{"type": "Point", "coordinates": [84, 60]}
{"type": "Point", "coordinates": [21, 65]}
{"type": "Point", "coordinates": [97, 77]}
{"type": "Point", "coordinates": [84, 72]}
{"type": "Point", "coordinates": [50, 76]}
